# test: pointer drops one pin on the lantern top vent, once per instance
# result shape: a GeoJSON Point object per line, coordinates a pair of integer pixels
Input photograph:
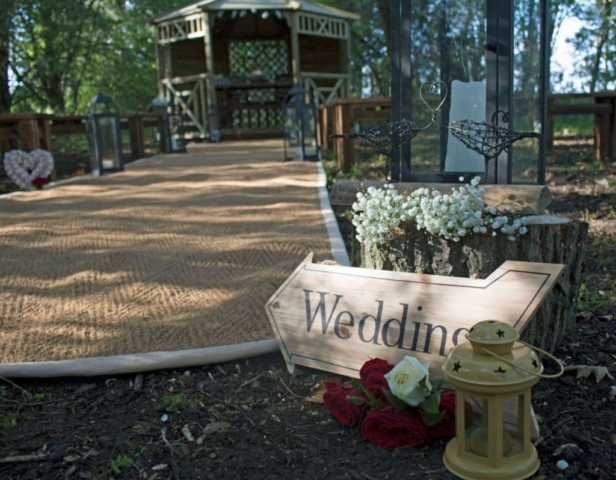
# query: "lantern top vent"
{"type": "Point", "coordinates": [497, 335]}
{"type": "Point", "coordinates": [492, 357]}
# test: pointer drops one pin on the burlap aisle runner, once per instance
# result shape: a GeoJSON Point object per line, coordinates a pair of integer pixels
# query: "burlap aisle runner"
{"type": "Point", "coordinates": [176, 253]}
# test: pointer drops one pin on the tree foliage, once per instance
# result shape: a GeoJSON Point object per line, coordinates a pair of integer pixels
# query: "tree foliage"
{"type": "Point", "coordinates": [63, 53]}
{"type": "Point", "coordinates": [52, 46]}
{"type": "Point", "coordinates": [369, 63]}
{"type": "Point", "coordinates": [596, 40]}
{"type": "Point", "coordinates": [56, 54]}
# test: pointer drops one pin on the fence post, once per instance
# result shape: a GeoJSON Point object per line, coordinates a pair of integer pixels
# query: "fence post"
{"type": "Point", "coordinates": [343, 123]}
{"type": "Point", "coordinates": [602, 133]}
{"type": "Point", "coordinates": [28, 133]}
{"type": "Point", "coordinates": [164, 141]}
{"type": "Point", "coordinates": [135, 131]}
{"type": "Point", "coordinates": [549, 126]}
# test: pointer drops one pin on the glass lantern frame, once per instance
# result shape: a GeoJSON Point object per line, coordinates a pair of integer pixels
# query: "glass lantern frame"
{"type": "Point", "coordinates": [174, 132]}
{"type": "Point", "coordinates": [300, 124]}
{"type": "Point", "coordinates": [497, 462]}
{"type": "Point", "coordinates": [500, 98]}
{"type": "Point", "coordinates": [96, 142]}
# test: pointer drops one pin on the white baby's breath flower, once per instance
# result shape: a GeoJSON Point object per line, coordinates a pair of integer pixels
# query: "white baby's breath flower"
{"type": "Point", "coordinates": [451, 216]}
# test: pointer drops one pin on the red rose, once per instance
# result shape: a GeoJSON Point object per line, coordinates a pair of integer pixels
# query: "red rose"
{"type": "Point", "coordinates": [447, 426]}
{"type": "Point", "coordinates": [39, 182]}
{"type": "Point", "coordinates": [335, 400]}
{"type": "Point", "coordinates": [373, 379]}
{"type": "Point", "coordinates": [390, 429]}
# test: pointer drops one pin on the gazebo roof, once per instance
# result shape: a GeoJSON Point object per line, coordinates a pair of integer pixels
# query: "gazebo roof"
{"type": "Point", "coordinates": [221, 5]}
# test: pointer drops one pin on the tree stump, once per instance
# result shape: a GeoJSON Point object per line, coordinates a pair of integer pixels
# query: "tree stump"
{"type": "Point", "coordinates": [550, 239]}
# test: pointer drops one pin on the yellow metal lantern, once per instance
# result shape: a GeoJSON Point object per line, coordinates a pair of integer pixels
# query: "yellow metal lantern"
{"type": "Point", "coordinates": [494, 371]}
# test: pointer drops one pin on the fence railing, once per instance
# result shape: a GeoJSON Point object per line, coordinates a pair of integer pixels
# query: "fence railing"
{"type": "Point", "coordinates": [342, 116]}
{"type": "Point", "coordinates": [602, 105]}
{"type": "Point", "coordinates": [29, 131]}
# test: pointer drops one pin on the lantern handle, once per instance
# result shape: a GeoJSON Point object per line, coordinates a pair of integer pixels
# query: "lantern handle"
{"type": "Point", "coordinates": [553, 375]}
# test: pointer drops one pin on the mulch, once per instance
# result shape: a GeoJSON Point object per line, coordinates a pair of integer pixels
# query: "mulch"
{"type": "Point", "coordinates": [250, 419]}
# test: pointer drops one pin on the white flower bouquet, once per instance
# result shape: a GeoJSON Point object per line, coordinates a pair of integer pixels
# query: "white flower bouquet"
{"type": "Point", "coordinates": [379, 211]}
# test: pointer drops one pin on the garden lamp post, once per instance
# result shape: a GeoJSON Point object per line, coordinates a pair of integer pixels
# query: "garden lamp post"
{"type": "Point", "coordinates": [173, 125]}
{"type": "Point", "coordinates": [104, 136]}
{"type": "Point", "coordinates": [493, 369]}
{"type": "Point", "coordinates": [489, 59]}
{"type": "Point", "coordinates": [300, 126]}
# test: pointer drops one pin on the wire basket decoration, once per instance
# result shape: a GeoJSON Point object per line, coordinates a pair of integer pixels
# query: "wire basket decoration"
{"type": "Point", "coordinates": [487, 139]}
{"type": "Point", "coordinates": [385, 138]}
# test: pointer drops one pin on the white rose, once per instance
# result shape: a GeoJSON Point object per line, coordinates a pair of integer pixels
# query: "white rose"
{"type": "Point", "coordinates": [404, 381]}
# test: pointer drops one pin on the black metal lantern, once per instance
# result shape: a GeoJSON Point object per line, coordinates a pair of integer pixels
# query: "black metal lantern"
{"type": "Point", "coordinates": [300, 126]}
{"type": "Point", "coordinates": [213, 124]}
{"type": "Point", "coordinates": [104, 136]}
{"type": "Point", "coordinates": [173, 125]}
{"type": "Point", "coordinates": [485, 66]}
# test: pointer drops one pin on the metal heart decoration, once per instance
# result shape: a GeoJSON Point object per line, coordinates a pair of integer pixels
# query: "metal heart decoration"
{"type": "Point", "coordinates": [22, 167]}
{"type": "Point", "coordinates": [434, 88]}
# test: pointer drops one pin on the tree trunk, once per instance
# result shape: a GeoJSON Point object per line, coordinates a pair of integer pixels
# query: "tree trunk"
{"type": "Point", "coordinates": [549, 239]}
{"type": "Point", "coordinates": [5, 35]}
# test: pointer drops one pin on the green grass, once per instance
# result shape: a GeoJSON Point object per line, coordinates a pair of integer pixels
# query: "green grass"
{"type": "Point", "coordinates": [174, 403]}
{"type": "Point", "coordinates": [16, 405]}
{"type": "Point", "coordinates": [117, 462]}
{"type": "Point", "coordinates": [596, 301]}
{"type": "Point", "coordinates": [8, 420]}
{"type": "Point", "coordinates": [120, 462]}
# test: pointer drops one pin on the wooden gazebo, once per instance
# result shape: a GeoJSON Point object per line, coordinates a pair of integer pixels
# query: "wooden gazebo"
{"type": "Point", "coordinates": [228, 64]}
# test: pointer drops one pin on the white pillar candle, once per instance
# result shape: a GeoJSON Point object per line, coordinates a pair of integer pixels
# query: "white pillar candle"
{"type": "Point", "coordinates": [468, 102]}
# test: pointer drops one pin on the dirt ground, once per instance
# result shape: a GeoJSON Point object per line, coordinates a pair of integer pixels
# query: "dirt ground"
{"type": "Point", "coordinates": [250, 418]}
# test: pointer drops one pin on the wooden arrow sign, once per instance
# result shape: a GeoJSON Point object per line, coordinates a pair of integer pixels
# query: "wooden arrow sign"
{"type": "Point", "coordinates": [336, 318]}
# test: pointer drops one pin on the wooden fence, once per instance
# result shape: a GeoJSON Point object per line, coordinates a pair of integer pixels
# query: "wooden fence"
{"type": "Point", "coordinates": [341, 117]}
{"type": "Point", "coordinates": [602, 105]}
{"type": "Point", "coordinates": [29, 131]}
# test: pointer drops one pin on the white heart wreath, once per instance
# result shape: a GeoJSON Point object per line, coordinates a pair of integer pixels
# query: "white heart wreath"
{"type": "Point", "coordinates": [22, 167]}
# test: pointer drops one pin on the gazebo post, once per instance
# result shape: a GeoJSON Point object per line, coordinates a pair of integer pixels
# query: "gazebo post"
{"type": "Point", "coordinates": [161, 93]}
{"type": "Point", "coordinates": [295, 50]}
{"type": "Point", "coordinates": [210, 102]}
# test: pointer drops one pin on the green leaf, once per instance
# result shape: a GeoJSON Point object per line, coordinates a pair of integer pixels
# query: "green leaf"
{"type": "Point", "coordinates": [425, 383]}
{"type": "Point", "coordinates": [356, 400]}
{"type": "Point", "coordinates": [431, 403]}
{"type": "Point", "coordinates": [357, 384]}
{"type": "Point", "coordinates": [445, 385]}
{"type": "Point", "coordinates": [395, 402]}
{"type": "Point", "coordinates": [432, 418]}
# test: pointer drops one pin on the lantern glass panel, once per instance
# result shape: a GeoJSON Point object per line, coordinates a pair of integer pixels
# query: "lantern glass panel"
{"type": "Point", "coordinates": [496, 416]}
{"type": "Point", "coordinates": [292, 136]}
{"type": "Point", "coordinates": [309, 131]}
{"type": "Point", "coordinates": [527, 90]}
{"type": "Point", "coordinates": [292, 126]}
{"type": "Point", "coordinates": [176, 131]}
{"type": "Point", "coordinates": [109, 142]}
{"type": "Point", "coordinates": [447, 40]}
{"type": "Point", "coordinates": [486, 63]}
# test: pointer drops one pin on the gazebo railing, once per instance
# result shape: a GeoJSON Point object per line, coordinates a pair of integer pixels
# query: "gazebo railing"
{"type": "Point", "coordinates": [325, 94]}
{"type": "Point", "coordinates": [190, 94]}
